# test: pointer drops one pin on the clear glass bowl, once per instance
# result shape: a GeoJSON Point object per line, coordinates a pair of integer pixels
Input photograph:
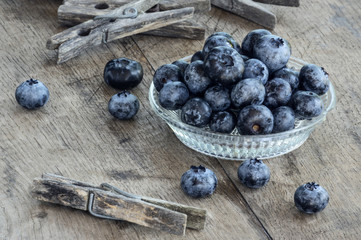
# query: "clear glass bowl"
{"type": "Point", "coordinates": [234, 146]}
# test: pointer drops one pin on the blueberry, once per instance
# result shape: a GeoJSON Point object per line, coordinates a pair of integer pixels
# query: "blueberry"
{"type": "Point", "coordinates": [223, 122]}
{"type": "Point", "coordinates": [273, 51]}
{"type": "Point", "coordinates": [278, 93]}
{"type": "Point", "coordinates": [195, 79]}
{"type": "Point", "coordinates": [182, 65]}
{"type": "Point", "coordinates": [255, 119]}
{"type": "Point", "coordinates": [250, 39]}
{"type": "Point", "coordinates": [314, 78]}
{"type": "Point", "coordinates": [123, 73]}
{"type": "Point", "coordinates": [311, 198]}
{"type": "Point", "coordinates": [173, 95]}
{"type": "Point", "coordinates": [32, 94]}
{"type": "Point", "coordinates": [283, 119]}
{"type": "Point", "coordinates": [216, 41]}
{"type": "Point", "coordinates": [231, 39]}
{"type": "Point", "coordinates": [248, 91]}
{"type": "Point", "coordinates": [224, 65]}
{"type": "Point", "coordinates": [253, 173]}
{"type": "Point", "coordinates": [289, 75]}
{"type": "Point", "coordinates": [199, 182]}
{"type": "Point", "coordinates": [166, 73]}
{"type": "Point", "coordinates": [254, 68]}
{"type": "Point", "coordinates": [306, 104]}
{"type": "Point", "coordinates": [196, 112]}
{"type": "Point", "coordinates": [218, 98]}
{"type": "Point", "coordinates": [123, 105]}
{"type": "Point", "coordinates": [197, 56]}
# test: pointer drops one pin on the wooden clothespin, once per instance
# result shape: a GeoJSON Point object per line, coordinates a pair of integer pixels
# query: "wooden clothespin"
{"type": "Point", "coordinates": [253, 11]}
{"type": "Point", "coordinates": [127, 20]}
{"type": "Point", "coordinates": [106, 201]}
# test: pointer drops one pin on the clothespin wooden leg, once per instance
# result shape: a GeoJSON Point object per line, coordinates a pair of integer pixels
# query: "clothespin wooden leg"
{"type": "Point", "coordinates": [109, 202]}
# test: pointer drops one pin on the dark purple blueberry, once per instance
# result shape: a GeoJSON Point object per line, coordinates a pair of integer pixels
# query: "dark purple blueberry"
{"type": "Point", "coordinates": [224, 65]}
{"type": "Point", "coordinates": [248, 91]}
{"type": "Point", "coordinates": [283, 119]}
{"type": "Point", "coordinates": [218, 98]}
{"type": "Point", "coordinates": [314, 78]}
{"type": "Point", "coordinates": [311, 198]}
{"type": "Point", "coordinates": [195, 79]}
{"type": "Point", "coordinates": [123, 73]}
{"type": "Point", "coordinates": [181, 64]}
{"type": "Point", "coordinates": [173, 95]}
{"type": "Point", "coordinates": [289, 75]}
{"type": "Point", "coordinates": [196, 112]}
{"type": "Point", "coordinates": [253, 173]}
{"type": "Point", "coordinates": [199, 182]}
{"type": "Point", "coordinates": [250, 39]}
{"type": "Point", "coordinates": [273, 51]}
{"type": "Point", "coordinates": [254, 120]}
{"type": "Point", "coordinates": [278, 93]}
{"type": "Point", "coordinates": [254, 68]}
{"type": "Point", "coordinates": [123, 105]}
{"type": "Point", "coordinates": [32, 94]}
{"type": "Point", "coordinates": [306, 104]}
{"type": "Point", "coordinates": [223, 122]}
{"type": "Point", "coordinates": [167, 73]}
{"type": "Point", "coordinates": [216, 41]}
{"type": "Point", "coordinates": [197, 56]}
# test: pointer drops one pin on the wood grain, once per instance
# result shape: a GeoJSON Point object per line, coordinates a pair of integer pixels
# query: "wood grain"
{"type": "Point", "coordinates": [74, 135]}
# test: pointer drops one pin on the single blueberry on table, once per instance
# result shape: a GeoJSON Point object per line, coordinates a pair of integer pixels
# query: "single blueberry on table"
{"type": "Point", "coordinates": [197, 56]}
{"type": "Point", "coordinates": [250, 39]}
{"type": "Point", "coordinates": [248, 91]}
{"type": "Point", "coordinates": [123, 73]}
{"type": "Point", "coordinates": [123, 105]}
{"type": "Point", "coordinates": [216, 41]}
{"type": "Point", "coordinates": [311, 198]}
{"type": "Point", "coordinates": [224, 65]}
{"type": "Point", "coordinates": [289, 75]}
{"type": "Point", "coordinates": [167, 73]}
{"type": "Point", "coordinates": [254, 120]}
{"type": "Point", "coordinates": [223, 122]}
{"type": "Point", "coordinates": [218, 97]}
{"type": "Point", "coordinates": [181, 64]}
{"type": "Point", "coordinates": [196, 112]}
{"type": "Point", "coordinates": [253, 173]}
{"type": "Point", "coordinates": [273, 51]}
{"type": "Point", "coordinates": [32, 94]}
{"type": "Point", "coordinates": [195, 79]}
{"type": "Point", "coordinates": [173, 95]}
{"type": "Point", "coordinates": [278, 93]}
{"type": "Point", "coordinates": [306, 104]}
{"type": "Point", "coordinates": [254, 68]}
{"type": "Point", "coordinates": [199, 182]}
{"type": "Point", "coordinates": [314, 78]}
{"type": "Point", "coordinates": [283, 119]}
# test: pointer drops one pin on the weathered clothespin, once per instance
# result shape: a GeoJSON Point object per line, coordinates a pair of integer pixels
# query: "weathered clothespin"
{"type": "Point", "coordinates": [106, 201]}
{"type": "Point", "coordinates": [253, 11]}
{"type": "Point", "coordinates": [127, 20]}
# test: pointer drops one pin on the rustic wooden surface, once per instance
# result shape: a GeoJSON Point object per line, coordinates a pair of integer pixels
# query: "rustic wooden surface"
{"type": "Point", "coordinates": [75, 136]}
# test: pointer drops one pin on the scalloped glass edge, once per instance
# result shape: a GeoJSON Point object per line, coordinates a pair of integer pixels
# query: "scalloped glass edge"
{"type": "Point", "coordinates": [173, 120]}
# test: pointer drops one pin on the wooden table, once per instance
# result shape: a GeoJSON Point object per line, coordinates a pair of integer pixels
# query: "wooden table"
{"type": "Point", "coordinates": [75, 136]}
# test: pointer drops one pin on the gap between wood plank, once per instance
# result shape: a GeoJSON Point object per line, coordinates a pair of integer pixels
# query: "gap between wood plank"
{"type": "Point", "coordinates": [245, 201]}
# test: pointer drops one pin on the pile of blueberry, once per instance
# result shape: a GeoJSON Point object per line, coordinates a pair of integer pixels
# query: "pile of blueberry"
{"type": "Point", "coordinates": [246, 86]}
